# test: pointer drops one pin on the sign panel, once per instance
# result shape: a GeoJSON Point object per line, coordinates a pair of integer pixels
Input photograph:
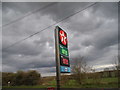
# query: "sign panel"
{"type": "Point", "coordinates": [63, 51]}
{"type": "Point", "coordinates": [62, 38]}
{"type": "Point", "coordinates": [65, 69]}
{"type": "Point", "coordinates": [64, 61]}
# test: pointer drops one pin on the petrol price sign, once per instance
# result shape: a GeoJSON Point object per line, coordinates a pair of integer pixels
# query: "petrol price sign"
{"type": "Point", "coordinates": [65, 69]}
{"type": "Point", "coordinates": [63, 37]}
{"type": "Point", "coordinates": [62, 50]}
{"type": "Point", "coordinates": [62, 54]}
{"type": "Point", "coordinates": [64, 61]}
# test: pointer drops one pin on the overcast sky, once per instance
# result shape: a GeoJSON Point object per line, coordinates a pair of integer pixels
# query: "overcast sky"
{"type": "Point", "coordinates": [0, 37]}
{"type": "Point", "coordinates": [92, 33]}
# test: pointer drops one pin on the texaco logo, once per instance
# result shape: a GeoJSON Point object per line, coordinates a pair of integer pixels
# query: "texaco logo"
{"type": "Point", "coordinates": [63, 37]}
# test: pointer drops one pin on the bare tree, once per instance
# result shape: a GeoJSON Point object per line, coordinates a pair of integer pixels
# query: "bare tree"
{"type": "Point", "coordinates": [116, 62]}
{"type": "Point", "coordinates": [96, 76]}
{"type": "Point", "coordinates": [116, 65]}
{"type": "Point", "coordinates": [80, 69]}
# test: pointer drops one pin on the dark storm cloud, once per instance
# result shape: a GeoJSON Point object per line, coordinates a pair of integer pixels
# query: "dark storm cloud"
{"type": "Point", "coordinates": [63, 9]}
{"type": "Point", "coordinates": [92, 19]}
{"type": "Point", "coordinates": [22, 62]}
{"type": "Point", "coordinates": [16, 10]}
{"type": "Point", "coordinates": [91, 33]}
{"type": "Point", "coordinates": [108, 10]}
{"type": "Point", "coordinates": [94, 33]}
{"type": "Point", "coordinates": [23, 49]}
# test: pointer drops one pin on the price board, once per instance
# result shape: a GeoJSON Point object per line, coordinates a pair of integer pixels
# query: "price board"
{"type": "Point", "coordinates": [62, 54]}
{"type": "Point", "coordinates": [63, 51]}
{"type": "Point", "coordinates": [64, 61]}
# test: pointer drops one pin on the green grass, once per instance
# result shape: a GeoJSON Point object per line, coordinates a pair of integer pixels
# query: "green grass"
{"type": "Point", "coordinates": [39, 86]}
{"type": "Point", "coordinates": [90, 83]}
{"type": "Point", "coordinates": [53, 82]}
{"type": "Point", "coordinates": [109, 80]}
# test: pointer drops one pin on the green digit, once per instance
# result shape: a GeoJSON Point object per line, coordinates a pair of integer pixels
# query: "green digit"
{"type": "Point", "coordinates": [66, 52]}
{"type": "Point", "coordinates": [63, 51]}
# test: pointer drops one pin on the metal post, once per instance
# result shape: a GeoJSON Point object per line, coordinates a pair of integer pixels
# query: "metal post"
{"type": "Point", "coordinates": [57, 58]}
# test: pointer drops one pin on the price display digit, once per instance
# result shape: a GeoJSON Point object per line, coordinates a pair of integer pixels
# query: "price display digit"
{"type": "Point", "coordinates": [64, 61]}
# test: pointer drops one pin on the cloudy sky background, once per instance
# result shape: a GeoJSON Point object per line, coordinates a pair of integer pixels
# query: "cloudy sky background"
{"type": "Point", "coordinates": [92, 33]}
{"type": "Point", "coordinates": [0, 36]}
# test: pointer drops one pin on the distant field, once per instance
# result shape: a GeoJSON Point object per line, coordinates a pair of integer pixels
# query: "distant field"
{"type": "Point", "coordinates": [89, 83]}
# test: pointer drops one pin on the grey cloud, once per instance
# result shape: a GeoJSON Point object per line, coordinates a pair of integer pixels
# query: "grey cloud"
{"type": "Point", "coordinates": [7, 68]}
{"type": "Point", "coordinates": [19, 9]}
{"type": "Point", "coordinates": [24, 49]}
{"type": "Point", "coordinates": [22, 63]}
{"type": "Point", "coordinates": [46, 71]}
{"type": "Point", "coordinates": [63, 9]}
{"type": "Point", "coordinates": [92, 33]}
{"type": "Point", "coordinates": [109, 10]}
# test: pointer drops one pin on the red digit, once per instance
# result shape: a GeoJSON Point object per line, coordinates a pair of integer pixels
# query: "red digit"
{"type": "Point", "coordinates": [65, 61]}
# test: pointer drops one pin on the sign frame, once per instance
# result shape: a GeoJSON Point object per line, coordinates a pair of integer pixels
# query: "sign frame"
{"type": "Point", "coordinates": [61, 68]}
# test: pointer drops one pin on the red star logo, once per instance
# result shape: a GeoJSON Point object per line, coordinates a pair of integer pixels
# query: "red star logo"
{"type": "Point", "coordinates": [63, 37]}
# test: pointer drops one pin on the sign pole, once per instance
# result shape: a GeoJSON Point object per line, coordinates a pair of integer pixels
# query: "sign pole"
{"type": "Point", "coordinates": [57, 58]}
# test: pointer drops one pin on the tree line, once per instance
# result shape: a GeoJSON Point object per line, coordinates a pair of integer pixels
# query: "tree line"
{"type": "Point", "coordinates": [81, 72]}
{"type": "Point", "coordinates": [19, 78]}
